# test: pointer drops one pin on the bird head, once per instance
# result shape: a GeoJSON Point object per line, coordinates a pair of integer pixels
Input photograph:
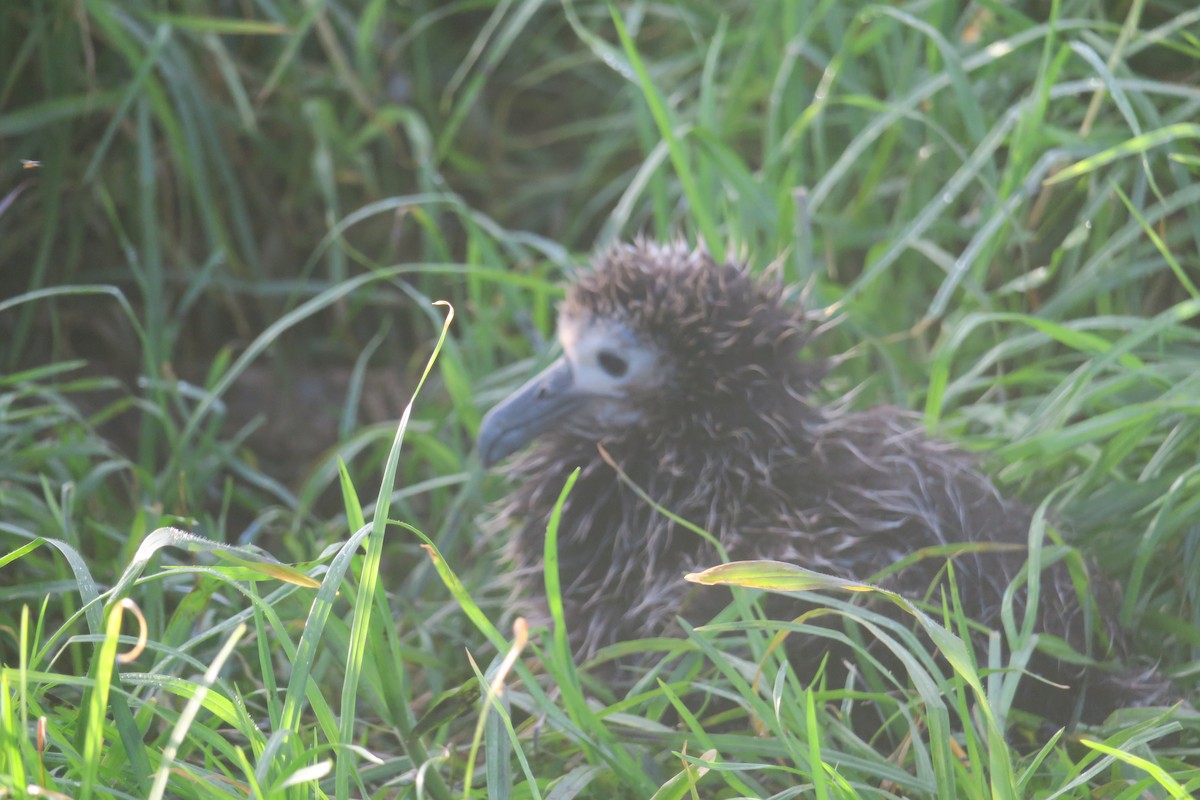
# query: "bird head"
{"type": "Point", "coordinates": [659, 340]}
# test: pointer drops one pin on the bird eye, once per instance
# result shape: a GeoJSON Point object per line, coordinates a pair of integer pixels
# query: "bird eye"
{"type": "Point", "coordinates": [612, 363]}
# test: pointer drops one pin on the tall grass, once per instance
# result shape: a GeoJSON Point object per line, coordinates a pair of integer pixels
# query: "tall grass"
{"type": "Point", "coordinates": [995, 207]}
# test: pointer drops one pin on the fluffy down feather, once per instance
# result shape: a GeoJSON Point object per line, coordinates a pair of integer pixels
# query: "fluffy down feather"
{"type": "Point", "coordinates": [721, 431]}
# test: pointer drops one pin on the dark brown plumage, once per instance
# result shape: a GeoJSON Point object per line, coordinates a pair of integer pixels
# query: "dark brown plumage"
{"type": "Point", "coordinates": [689, 373]}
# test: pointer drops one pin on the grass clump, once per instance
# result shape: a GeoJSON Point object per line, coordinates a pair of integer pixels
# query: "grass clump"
{"type": "Point", "coordinates": [221, 230]}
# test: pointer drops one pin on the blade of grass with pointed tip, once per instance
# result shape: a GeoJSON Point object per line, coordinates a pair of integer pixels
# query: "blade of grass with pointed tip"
{"type": "Point", "coordinates": [368, 584]}
{"type": "Point", "coordinates": [562, 666]}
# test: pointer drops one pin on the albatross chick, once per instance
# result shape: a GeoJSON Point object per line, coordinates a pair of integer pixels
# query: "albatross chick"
{"type": "Point", "coordinates": [689, 374]}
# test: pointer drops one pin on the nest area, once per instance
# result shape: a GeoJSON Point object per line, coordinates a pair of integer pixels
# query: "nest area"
{"type": "Point", "coordinates": [689, 375]}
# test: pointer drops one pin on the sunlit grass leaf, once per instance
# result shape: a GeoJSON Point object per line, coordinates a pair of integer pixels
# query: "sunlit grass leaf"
{"type": "Point", "coordinates": [778, 576]}
{"type": "Point", "coordinates": [251, 563]}
{"type": "Point", "coordinates": [684, 783]}
{"type": "Point", "coordinates": [261, 567]}
{"type": "Point", "coordinates": [1133, 146]}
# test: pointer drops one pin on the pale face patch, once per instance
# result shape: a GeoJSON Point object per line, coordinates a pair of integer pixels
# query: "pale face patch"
{"type": "Point", "coordinates": [611, 365]}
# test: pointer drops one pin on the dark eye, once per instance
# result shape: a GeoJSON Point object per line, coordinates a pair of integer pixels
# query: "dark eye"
{"type": "Point", "coordinates": [612, 363]}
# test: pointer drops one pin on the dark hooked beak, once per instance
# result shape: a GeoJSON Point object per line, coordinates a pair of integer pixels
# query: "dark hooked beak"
{"type": "Point", "coordinates": [518, 419]}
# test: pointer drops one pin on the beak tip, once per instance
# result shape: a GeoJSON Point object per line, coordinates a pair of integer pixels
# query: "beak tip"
{"type": "Point", "coordinates": [486, 458]}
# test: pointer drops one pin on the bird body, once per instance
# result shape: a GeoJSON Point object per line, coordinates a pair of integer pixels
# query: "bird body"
{"type": "Point", "coordinates": [689, 374]}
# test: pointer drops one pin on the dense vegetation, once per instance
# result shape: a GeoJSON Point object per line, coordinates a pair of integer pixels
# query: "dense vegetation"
{"type": "Point", "coordinates": [222, 225]}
